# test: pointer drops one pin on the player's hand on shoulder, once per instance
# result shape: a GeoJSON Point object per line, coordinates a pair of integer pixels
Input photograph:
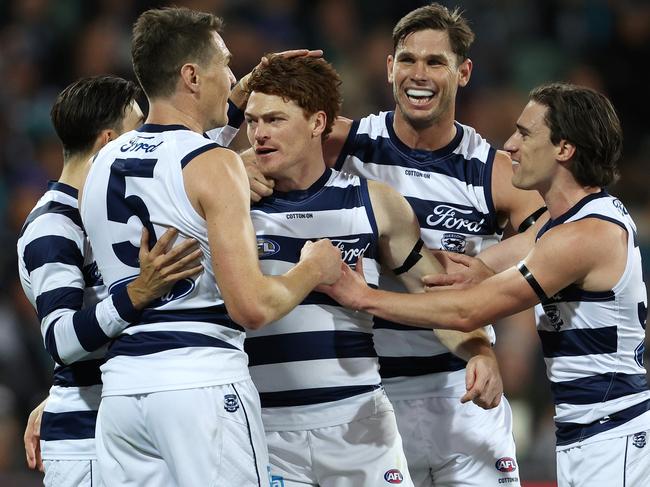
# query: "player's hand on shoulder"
{"type": "Point", "coordinates": [483, 381]}
{"type": "Point", "coordinates": [463, 272]}
{"type": "Point", "coordinates": [326, 257]}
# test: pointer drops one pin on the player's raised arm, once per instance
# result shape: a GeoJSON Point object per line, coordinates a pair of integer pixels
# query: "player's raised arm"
{"type": "Point", "coordinates": [218, 188]}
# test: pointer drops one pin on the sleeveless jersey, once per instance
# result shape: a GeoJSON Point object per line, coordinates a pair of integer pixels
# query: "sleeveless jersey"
{"type": "Point", "coordinates": [593, 343]}
{"type": "Point", "coordinates": [320, 352]}
{"type": "Point", "coordinates": [186, 338]}
{"type": "Point", "coordinates": [450, 192]}
{"type": "Point", "coordinates": [60, 279]}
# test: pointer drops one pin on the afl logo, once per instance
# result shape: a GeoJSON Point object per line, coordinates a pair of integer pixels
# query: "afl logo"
{"type": "Point", "coordinates": [393, 476]}
{"type": "Point", "coordinates": [506, 464]}
{"type": "Point", "coordinates": [454, 242]}
{"type": "Point", "coordinates": [267, 247]}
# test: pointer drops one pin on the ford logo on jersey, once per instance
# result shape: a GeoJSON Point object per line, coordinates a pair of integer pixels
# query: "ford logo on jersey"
{"type": "Point", "coordinates": [506, 464]}
{"type": "Point", "coordinates": [180, 289]}
{"type": "Point", "coordinates": [350, 248]}
{"type": "Point", "coordinates": [393, 476]}
{"type": "Point", "coordinates": [267, 247]}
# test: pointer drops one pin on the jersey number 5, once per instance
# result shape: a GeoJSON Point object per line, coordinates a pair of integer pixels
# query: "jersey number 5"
{"type": "Point", "coordinates": [120, 207]}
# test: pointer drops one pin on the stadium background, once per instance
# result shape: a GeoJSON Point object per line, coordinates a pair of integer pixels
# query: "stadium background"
{"type": "Point", "coordinates": [46, 44]}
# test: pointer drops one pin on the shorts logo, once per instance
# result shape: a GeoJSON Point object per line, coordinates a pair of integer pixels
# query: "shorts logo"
{"type": "Point", "coordinates": [277, 481]}
{"type": "Point", "coordinates": [393, 476]}
{"type": "Point", "coordinates": [267, 247]}
{"type": "Point", "coordinates": [230, 403]}
{"type": "Point", "coordinates": [506, 464]}
{"type": "Point", "coordinates": [639, 439]}
{"type": "Point", "coordinates": [454, 242]}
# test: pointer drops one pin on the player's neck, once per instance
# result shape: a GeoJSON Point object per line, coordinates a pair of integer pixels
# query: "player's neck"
{"type": "Point", "coordinates": [75, 169]}
{"type": "Point", "coordinates": [432, 137]}
{"type": "Point", "coordinates": [301, 176]}
{"type": "Point", "coordinates": [562, 196]}
{"type": "Point", "coordinates": [164, 112]}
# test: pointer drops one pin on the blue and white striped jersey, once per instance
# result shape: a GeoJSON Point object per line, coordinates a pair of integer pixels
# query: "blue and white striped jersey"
{"type": "Point", "coordinates": [593, 343]}
{"type": "Point", "coordinates": [185, 338]}
{"type": "Point", "coordinates": [450, 192]}
{"type": "Point", "coordinates": [311, 364]}
{"type": "Point", "coordinates": [60, 279]}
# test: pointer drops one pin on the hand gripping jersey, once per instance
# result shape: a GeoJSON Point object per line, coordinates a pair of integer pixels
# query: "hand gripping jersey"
{"type": "Point", "coordinates": [60, 279]}
{"type": "Point", "coordinates": [185, 339]}
{"type": "Point", "coordinates": [593, 343]}
{"type": "Point", "coordinates": [450, 192]}
{"type": "Point", "coordinates": [320, 352]}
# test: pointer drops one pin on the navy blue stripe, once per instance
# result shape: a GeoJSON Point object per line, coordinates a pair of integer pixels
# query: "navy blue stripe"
{"type": "Point", "coordinates": [416, 366]}
{"type": "Point", "coordinates": [50, 342]}
{"type": "Point", "coordinates": [146, 343]}
{"type": "Point", "coordinates": [157, 128]}
{"type": "Point", "coordinates": [604, 218]}
{"type": "Point", "coordinates": [422, 153]}
{"type": "Point", "coordinates": [380, 323]}
{"type": "Point", "coordinates": [598, 388]}
{"type": "Point", "coordinates": [89, 333]}
{"type": "Point", "coordinates": [573, 293]}
{"type": "Point", "coordinates": [287, 249]}
{"type": "Point", "coordinates": [213, 314]}
{"type": "Point", "coordinates": [574, 343]}
{"type": "Point", "coordinates": [320, 299]}
{"type": "Point", "coordinates": [74, 425]}
{"type": "Point", "coordinates": [318, 395]}
{"type": "Point", "coordinates": [53, 207]}
{"type": "Point", "coordinates": [567, 433]}
{"type": "Point", "coordinates": [348, 146]}
{"type": "Point", "coordinates": [329, 198]}
{"type": "Point", "coordinates": [235, 115]}
{"type": "Point", "coordinates": [197, 152]}
{"type": "Point", "coordinates": [487, 182]}
{"type": "Point", "coordinates": [367, 203]}
{"type": "Point", "coordinates": [79, 374]}
{"type": "Point", "coordinates": [452, 217]}
{"type": "Point", "coordinates": [63, 188]}
{"type": "Point", "coordinates": [60, 298]}
{"type": "Point", "coordinates": [51, 249]}
{"type": "Point", "coordinates": [313, 345]}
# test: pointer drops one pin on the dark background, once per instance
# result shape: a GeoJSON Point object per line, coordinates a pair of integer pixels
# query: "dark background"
{"type": "Point", "coordinates": [46, 44]}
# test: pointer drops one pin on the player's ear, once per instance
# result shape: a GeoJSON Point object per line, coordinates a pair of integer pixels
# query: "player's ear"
{"type": "Point", "coordinates": [190, 76]}
{"type": "Point", "coordinates": [565, 150]}
{"type": "Point", "coordinates": [390, 61]}
{"type": "Point", "coordinates": [464, 72]}
{"type": "Point", "coordinates": [319, 122]}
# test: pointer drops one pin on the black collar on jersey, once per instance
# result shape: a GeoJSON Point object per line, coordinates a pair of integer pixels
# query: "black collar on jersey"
{"type": "Point", "coordinates": [157, 128]}
{"type": "Point", "coordinates": [302, 194]}
{"type": "Point", "coordinates": [422, 153]}
{"type": "Point", "coordinates": [571, 211]}
{"type": "Point", "coordinates": [412, 259]}
{"type": "Point", "coordinates": [63, 188]}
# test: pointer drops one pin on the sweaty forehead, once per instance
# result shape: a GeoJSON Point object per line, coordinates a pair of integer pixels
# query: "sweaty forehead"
{"type": "Point", "coordinates": [533, 116]}
{"type": "Point", "coordinates": [427, 41]}
{"type": "Point", "coordinates": [222, 49]}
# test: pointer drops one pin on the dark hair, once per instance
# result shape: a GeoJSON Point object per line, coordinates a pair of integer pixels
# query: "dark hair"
{"type": "Point", "coordinates": [88, 106]}
{"type": "Point", "coordinates": [588, 120]}
{"type": "Point", "coordinates": [312, 83]}
{"type": "Point", "coordinates": [437, 17]}
{"type": "Point", "coordinates": [165, 39]}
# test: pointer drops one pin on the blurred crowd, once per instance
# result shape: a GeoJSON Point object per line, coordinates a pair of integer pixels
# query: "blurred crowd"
{"type": "Point", "coordinates": [46, 44]}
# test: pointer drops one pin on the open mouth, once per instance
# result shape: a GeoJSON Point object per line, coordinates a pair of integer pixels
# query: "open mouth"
{"type": "Point", "coordinates": [262, 151]}
{"type": "Point", "coordinates": [419, 96]}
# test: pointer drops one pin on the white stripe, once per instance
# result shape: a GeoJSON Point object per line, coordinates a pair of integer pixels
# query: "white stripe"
{"type": "Point", "coordinates": [315, 373]}
{"type": "Point", "coordinates": [313, 317]}
{"type": "Point", "coordinates": [55, 275]}
{"type": "Point", "coordinates": [68, 399]}
{"type": "Point", "coordinates": [413, 343]}
{"type": "Point", "coordinates": [562, 369]}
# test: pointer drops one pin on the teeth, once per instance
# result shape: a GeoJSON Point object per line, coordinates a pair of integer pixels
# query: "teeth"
{"type": "Point", "coordinates": [419, 93]}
